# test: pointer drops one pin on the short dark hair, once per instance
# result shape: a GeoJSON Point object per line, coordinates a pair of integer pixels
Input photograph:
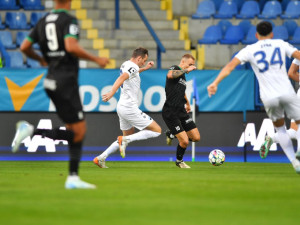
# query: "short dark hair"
{"type": "Point", "coordinates": [140, 52]}
{"type": "Point", "coordinates": [264, 28]}
{"type": "Point", "coordinates": [188, 56]}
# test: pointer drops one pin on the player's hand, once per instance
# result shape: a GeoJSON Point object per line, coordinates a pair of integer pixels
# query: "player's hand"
{"type": "Point", "coordinates": [188, 108]}
{"type": "Point", "coordinates": [107, 96]}
{"type": "Point", "coordinates": [150, 64]}
{"type": "Point", "coordinates": [212, 89]}
{"type": "Point", "coordinates": [102, 61]}
{"type": "Point", "coordinates": [191, 68]}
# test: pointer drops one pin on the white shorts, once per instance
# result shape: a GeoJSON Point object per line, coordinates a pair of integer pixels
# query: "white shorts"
{"type": "Point", "coordinates": [289, 104]}
{"type": "Point", "coordinates": [132, 116]}
{"type": "Point", "coordinates": [298, 94]}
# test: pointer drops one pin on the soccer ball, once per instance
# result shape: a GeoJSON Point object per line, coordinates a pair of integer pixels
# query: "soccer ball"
{"type": "Point", "coordinates": [216, 157]}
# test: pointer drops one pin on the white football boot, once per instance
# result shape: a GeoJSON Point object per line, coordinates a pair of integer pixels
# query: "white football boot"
{"type": "Point", "coordinates": [23, 130]}
{"type": "Point", "coordinates": [74, 182]}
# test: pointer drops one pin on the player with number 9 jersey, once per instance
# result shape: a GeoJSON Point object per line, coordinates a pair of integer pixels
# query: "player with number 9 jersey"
{"type": "Point", "coordinates": [50, 33]}
{"type": "Point", "coordinates": [267, 58]}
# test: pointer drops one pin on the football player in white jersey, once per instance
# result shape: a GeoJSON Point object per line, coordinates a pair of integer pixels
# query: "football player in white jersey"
{"type": "Point", "coordinates": [130, 116]}
{"type": "Point", "coordinates": [267, 58]}
{"type": "Point", "coordinates": [293, 73]}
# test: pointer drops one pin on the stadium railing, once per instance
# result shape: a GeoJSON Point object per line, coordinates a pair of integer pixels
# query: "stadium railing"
{"type": "Point", "coordinates": [160, 47]}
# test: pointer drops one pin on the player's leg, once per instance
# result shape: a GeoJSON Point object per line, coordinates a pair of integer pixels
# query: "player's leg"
{"type": "Point", "coordinates": [285, 142]}
{"type": "Point", "coordinates": [127, 129]}
{"type": "Point", "coordinates": [143, 122]}
{"type": "Point", "coordinates": [183, 140]}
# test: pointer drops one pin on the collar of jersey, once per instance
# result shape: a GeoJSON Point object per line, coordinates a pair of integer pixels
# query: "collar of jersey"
{"type": "Point", "coordinates": [59, 10]}
{"type": "Point", "coordinates": [180, 68]}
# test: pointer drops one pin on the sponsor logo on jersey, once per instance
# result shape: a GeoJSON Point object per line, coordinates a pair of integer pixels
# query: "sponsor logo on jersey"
{"type": "Point", "coordinates": [132, 70]}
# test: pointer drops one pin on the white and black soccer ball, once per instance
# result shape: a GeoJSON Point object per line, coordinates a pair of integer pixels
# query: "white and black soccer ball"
{"type": "Point", "coordinates": [216, 157]}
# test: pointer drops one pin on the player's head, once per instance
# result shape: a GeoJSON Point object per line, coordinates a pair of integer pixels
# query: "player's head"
{"type": "Point", "coordinates": [62, 4]}
{"type": "Point", "coordinates": [264, 29]}
{"type": "Point", "coordinates": [186, 61]}
{"type": "Point", "coordinates": [140, 56]}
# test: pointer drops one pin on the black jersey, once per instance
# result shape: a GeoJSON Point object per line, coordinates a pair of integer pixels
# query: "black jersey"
{"type": "Point", "coordinates": [50, 33]}
{"type": "Point", "coordinates": [175, 90]}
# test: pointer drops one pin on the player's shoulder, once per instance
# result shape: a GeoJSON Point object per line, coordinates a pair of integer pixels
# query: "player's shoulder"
{"type": "Point", "coordinates": [174, 67]}
{"type": "Point", "coordinates": [129, 67]}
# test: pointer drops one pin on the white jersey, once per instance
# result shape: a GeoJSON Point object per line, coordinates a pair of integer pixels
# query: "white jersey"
{"type": "Point", "coordinates": [131, 86]}
{"type": "Point", "coordinates": [267, 58]}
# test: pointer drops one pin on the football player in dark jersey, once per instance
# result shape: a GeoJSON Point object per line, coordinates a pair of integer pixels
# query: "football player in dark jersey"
{"type": "Point", "coordinates": [176, 108]}
{"type": "Point", "coordinates": [57, 34]}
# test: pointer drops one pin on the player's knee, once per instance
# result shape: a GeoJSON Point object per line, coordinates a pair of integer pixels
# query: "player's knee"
{"type": "Point", "coordinates": [79, 136]}
{"type": "Point", "coordinates": [196, 138]}
{"type": "Point", "coordinates": [184, 143]}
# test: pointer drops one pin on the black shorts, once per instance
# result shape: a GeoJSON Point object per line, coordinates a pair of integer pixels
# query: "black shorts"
{"type": "Point", "coordinates": [65, 96]}
{"type": "Point", "coordinates": [177, 119]}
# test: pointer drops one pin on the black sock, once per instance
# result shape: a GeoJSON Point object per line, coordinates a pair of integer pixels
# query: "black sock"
{"type": "Point", "coordinates": [180, 152]}
{"type": "Point", "coordinates": [75, 155]}
{"type": "Point", "coordinates": [56, 134]}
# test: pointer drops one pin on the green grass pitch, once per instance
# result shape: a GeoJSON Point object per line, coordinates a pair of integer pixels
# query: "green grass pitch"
{"type": "Point", "coordinates": [150, 193]}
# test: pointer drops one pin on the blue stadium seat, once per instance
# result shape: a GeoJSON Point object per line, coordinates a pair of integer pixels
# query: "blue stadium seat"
{"type": "Point", "coordinates": [2, 26]}
{"type": "Point", "coordinates": [16, 21]}
{"type": "Point", "coordinates": [296, 37]}
{"type": "Point", "coordinates": [16, 59]}
{"type": "Point", "coordinates": [33, 63]}
{"type": "Point", "coordinates": [31, 4]}
{"type": "Point", "coordinates": [21, 35]}
{"type": "Point", "coordinates": [212, 35]}
{"type": "Point", "coordinates": [205, 10]}
{"type": "Point", "coordinates": [6, 39]}
{"type": "Point", "coordinates": [284, 4]}
{"type": "Point", "coordinates": [250, 36]}
{"type": "Point", "coordinates": [35, 17]}
{"type": "Point", "coordinates": [291, 26]}
{"type": "Point", "coordinates": [8, 5]}
{"type": "Point", "coordinates": [271, 10]}
{"type": "Point", "coordinates": [227, 10]}
{"type": "Point", "coordinates": [245, 25]}
{"type": "Point", "coordinates": [224, 24]}
{"type": "Point", "coordinates": [218, 3]}
{"type": "Point", "coordinates": [234, 35]}
{"type": "Point", "coordinates": [250, 9]}
{"type": "Point", "coordinates": [280, 32]}
{"type": "Point", "coordinates": [239, 4]}
{"type": "Point", "coordinates": [292, 11]}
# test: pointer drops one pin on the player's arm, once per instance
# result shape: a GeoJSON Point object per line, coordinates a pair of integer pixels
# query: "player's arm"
{"type": "Point", "coordinates": [26, 48]}
{"type": "Point", "coordinates": [147, 67]}
{"type": "Point", "coordinates": [212, 88]}
{"type": "Point", "coordinates": [115, 87]}
{"type": "Point", "coordinates": [73, 47]}
{"type": "Point", "coordinates": [173, 74]}
{"type": "Point", "coordinates": [187, 104]}
{"type": "Point", "coordinates": [294, 72]}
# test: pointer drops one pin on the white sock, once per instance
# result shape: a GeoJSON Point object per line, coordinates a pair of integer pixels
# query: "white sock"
{"type": "Point", "coordinates": [285, 143]}
{"type": "Point", "coordinates": [298, 139]}
{"type": "Point", "coordinates": [295, 163]}
{"type": "Point", "coordinates": [111, 149]}
{"type": "Point", "coordinates": [290, 132]}
{"type": "Point", "coordinates": [142, 135]}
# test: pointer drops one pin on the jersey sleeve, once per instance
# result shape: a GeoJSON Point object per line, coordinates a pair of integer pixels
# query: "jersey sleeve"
{"type": "Point", "coordinates": [296, 61]}
{"type": "Point", "coordinates": [33, 35]}
{"type": "Point", "coordinates": [174, 67]}
{"type": "Point", "coordinates": [290, 49]}
{"type": "Point", "coordinates": [71, 29]}
{"type": "Point", "coordinates": [243, 55]}
{"type": "Point", "coordinates": [130, 69]}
